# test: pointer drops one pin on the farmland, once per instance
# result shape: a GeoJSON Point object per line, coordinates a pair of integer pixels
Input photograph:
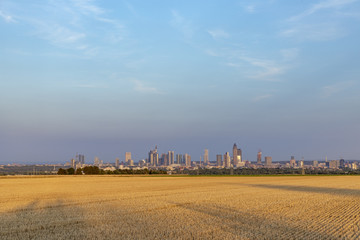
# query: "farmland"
{"type": "Point", "coordinates": [118, 207]}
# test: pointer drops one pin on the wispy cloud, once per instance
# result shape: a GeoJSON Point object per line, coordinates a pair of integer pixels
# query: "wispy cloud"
{"type": "Point", "coordinates": [182, 24]}
{"type": "Point", "coordinates": [250, 8]}
{"type": "Point", "coordinates": [262, 97]}
{"type": "Point", "coordinates": [7, 18]}
{"type": "Point", "coordinates": [330, 90]}
{"type": "Point", "coordinates": [302, 27]}
{"type": "Point", "coordinates": [69, 24]}
{"type": "Point", "coordinates": [218, 34]}
{"type": "Point", "coordinates": [320, 6]}
{"type": "Point", "coordinates": [88, 7]}
{"type": "Point", "coordinates": [314, 32]}
{"type": "Point", "coordinates": [92, 86]}
{"type": "Point", "coordinates": [262, 69]}
{"type": "Point", "coordinates": [289, 54]}
{"type": "Point", "coordinates": [141, 87]}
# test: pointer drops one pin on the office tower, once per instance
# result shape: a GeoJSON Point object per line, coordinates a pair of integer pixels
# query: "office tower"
{"type": "Point", "coordinates": [127, 157]}
{"type": "Point", "coordinates": [237, 155]}
{"type": "Point", "coordinates": [164, 159]}
{"type": "Point", "coordinates": [315, 163]}
{"type": "Point", "coordinates": [153, 157]}
{"type": "Point", "coordinates": [206, 157]}
{"type": "Point", "coordinates": [171, 156]}
{"type": "Point", "coordinates": [268, 161]}
{"type": "Point", "coordinates": [258, 159]}
{"type": "Point", "coordinates": [96, 161]}
{"type": "Point", "coordinates": [187, 160]}
{"type": "Point", "coordinates": [117, 161]}
{"type": "Point", "coordinates": [73, 163]}
{"type": "Point", "coordinates": [301, 164]}
{"type": "Point", "coordinates": [219, 160]}
{"type": "Point", "coordinates": [178, 159]}
{"type": "Point", "coordinates": [342, 163]}
{"type": "Point", "coordinates": [227, 162]}
{"type": "Point", "coordinates": [292, 161]}
{"type": "Point", "coordinates": [334, 164]}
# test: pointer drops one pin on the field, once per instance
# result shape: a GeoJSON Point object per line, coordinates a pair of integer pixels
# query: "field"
{"type": "Point", "coordinates": [113, 207]}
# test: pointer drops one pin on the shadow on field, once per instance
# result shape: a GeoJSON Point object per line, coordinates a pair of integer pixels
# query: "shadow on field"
{"type": "Point", "coordinates": [322, 190]}
{"type": "Point", "coordinates": [36, 221]}
{"type": "Point", "coordinates": [242, 224]}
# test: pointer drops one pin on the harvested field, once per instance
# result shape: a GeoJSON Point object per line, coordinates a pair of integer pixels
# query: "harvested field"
{"type": "Point", "coordinates": [113, 207]}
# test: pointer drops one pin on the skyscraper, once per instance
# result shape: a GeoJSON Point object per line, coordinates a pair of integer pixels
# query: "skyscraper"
{"type": "Point", "coordinates": [259, 157]}
{"type": "Point", "coordinates": [227, 161]}
{"type": "Point", "coordinates": [268, 161]}
{"type": "Point", "coordinates": [153, 157]}
{"type": "Point", "coordinates": [127, 157]}
{"type": "Point", "coordinates": [96, 161]}
{"type": "Point", "coordinates": [178, 159]}
{"type": "Point", "coordinates": [117, 161]}
{"type": "Point", "coordinates": [187, 160]}
{"type": "Point", "coordinates": [206, 157]}
{"type": "Point", "coordinates": [219, 160]}
{"type": "Point", "coordinates": [237, 155]}
{"type": "Point", "coordinates": [171, 156]}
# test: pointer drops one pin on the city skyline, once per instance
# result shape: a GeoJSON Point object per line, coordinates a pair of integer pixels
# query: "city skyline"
{"type": "Point", "coordinates": [105, 78]}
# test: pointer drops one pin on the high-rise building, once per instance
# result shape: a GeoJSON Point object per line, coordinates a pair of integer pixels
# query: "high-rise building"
{"type": "Point", "coordinates": [96, 161]}
{"type": "Point", "coordinates": [258, 159]}
{"type": "Point", "coordinates": [178, 158]}
{"type": "Point", "coordinates": [187, 160]}
{"type": "Point", "coordinates": [117, 163]}
{"type": "Point", "coordinates": [268, 161]}
{"type": "Point", "coordinates": [342, 163]}
{"type": "Point", "coordinates": [315, 163]}
{"type": "Point", "coordinates": [73, 163]}
{"type": "Point", "coordinates": [206, 157]}
{"type": "Point", "coordinates": [301, 164]}
{"type": "Point", "coordinates": [127, 157]}
{"type": "Point", "coordinates": [219, 160]}
{"type": "Point", "coordinates": [237, 155]}
{"type": "Point", "coordinates": [164, 159]}
{"type": "Point", "coordinates": [292, 162]}
{"type": "Point", "coordinates": [153, 157]}
{"type": "Point", "coordinates": [227, 161]}
{"type": "Point", "coordinates": [171, 157]}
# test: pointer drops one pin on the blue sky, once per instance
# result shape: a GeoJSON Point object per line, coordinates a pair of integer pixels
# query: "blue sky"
{"type": "Point", "coordinates": [105, 77]}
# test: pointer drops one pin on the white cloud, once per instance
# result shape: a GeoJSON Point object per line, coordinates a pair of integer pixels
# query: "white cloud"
{"type": "Point", "coordinates": [314, 32]}
{"type": "Point", "coordinates": [320, 6]}
{"type": "Point", "coordinates": [95, 86]}
{"type": "Point", "coordinates": [218, 33]}
{"type": "Point", "coordinates": [87, 7]}
{"type": "Point", "coordinates": [250, 8]}
{"type": "Point", "coordinates": [7, 18]}
{"type": "Point", "coordinates": [182, 24]}
{"type": "Point", "coordinates": [140, 87]}
{"type": "Point", "coordinates": [269, 70]}
{"type": "Point", "coordinates": [289, 54]}
{"type": "Point", "coordinates": [262, 97]}
{"type": "Point", "coordinates": [330, 90]}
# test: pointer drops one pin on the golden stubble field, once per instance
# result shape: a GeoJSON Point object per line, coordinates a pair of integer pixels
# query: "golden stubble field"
{"type": "Point", "coordinates": [113, 207]}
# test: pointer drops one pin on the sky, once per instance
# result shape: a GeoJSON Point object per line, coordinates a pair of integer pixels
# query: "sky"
{"type": "Point", "coordinates": [102, 78]}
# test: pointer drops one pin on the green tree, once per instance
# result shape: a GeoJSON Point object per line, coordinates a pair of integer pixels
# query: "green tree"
{"type": "Point", "coordinates": [61, 171]}
{"type": "Point", "coordinates": [70, 171]}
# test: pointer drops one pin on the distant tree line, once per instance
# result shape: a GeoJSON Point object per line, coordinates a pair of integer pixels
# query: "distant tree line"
{"type": "Point", "coordinates": [94, 170]}
{"type": "Point", "coordinates": [270, 171]}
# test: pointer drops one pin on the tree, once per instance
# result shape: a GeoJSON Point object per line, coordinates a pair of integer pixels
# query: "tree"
{"type": "Point", "coordinates": [70, 171]}
{"type": "Point", "coordinates": [61, 171]}
{"type": "Point", "coordinates": [78, 171]}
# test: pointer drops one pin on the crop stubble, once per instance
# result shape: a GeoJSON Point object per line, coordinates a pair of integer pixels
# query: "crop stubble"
{"type": "Point", "coordinates": [112, 207]}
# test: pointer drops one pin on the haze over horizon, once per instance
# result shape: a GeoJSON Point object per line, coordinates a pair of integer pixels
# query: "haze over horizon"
{"type": "Point", "coordinates": [102, 78]}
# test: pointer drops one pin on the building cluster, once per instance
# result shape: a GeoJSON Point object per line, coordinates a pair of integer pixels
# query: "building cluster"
{"type": "Point", "coordinates": [170, 160]}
